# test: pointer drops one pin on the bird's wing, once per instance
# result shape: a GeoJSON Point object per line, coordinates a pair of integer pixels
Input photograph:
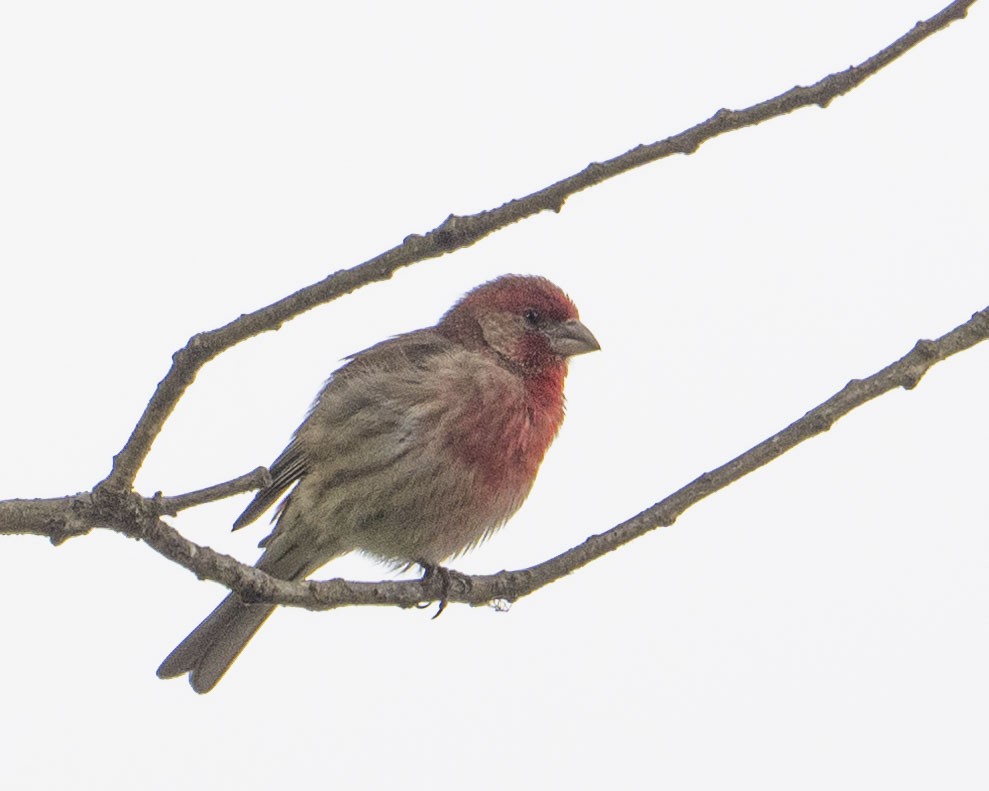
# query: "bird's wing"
{"type": "Point", "coordinates": [285, 471]}
{"type": "Point", "coordinates": [335, 410]}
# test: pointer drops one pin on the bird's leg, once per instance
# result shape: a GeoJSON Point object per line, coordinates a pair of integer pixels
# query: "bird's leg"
{"type": "Point", "coordinates": [447, 578]}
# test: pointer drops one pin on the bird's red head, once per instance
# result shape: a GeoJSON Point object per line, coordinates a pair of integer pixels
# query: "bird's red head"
{"type": "Point", "coordinates": [526, 320]}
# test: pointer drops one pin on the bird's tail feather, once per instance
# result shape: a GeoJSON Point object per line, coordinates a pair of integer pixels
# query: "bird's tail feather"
{"type": "Point", "coordinates": [211, 648]}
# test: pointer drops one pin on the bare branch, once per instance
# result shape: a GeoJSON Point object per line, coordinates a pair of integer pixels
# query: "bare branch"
{"type": "Point", "coordinates": [511, 585]}
{"type": "Point", "coordinates": [58, 518]}
{"type": "Point", "coordinates": [459, 232]}
{"type": "Point", "coordinates": [255, 479]}
{"type": "Point", "coordinates": [137, 517]}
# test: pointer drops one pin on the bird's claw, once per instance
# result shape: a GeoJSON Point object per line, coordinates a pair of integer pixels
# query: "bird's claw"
{"type": "Point", "coordinates": [448, 577]}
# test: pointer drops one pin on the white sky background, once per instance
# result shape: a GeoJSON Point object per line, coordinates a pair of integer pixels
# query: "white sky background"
{"type": "Point", "coordinates": [822, 624]}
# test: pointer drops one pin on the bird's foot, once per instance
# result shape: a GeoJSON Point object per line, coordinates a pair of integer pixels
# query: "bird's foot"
{"type": "Point", "coordinates": [448, 578]}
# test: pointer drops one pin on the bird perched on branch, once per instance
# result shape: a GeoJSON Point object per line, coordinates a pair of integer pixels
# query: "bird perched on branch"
{"type": "Point", "coordinates": [416, 450]}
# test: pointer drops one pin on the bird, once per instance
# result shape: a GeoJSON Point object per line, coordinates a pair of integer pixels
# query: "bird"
{"type": "Point", "coordinates": [415, 451]}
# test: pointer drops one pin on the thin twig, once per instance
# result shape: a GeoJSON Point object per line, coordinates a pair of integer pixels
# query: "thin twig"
{"type": "Point", "coordinates": [256, 479]}
{"type": "Point", "coordinates": [459, 232]}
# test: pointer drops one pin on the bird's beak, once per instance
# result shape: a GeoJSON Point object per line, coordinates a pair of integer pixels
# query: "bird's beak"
{"type": "Point", "coordinates": [570, 337]}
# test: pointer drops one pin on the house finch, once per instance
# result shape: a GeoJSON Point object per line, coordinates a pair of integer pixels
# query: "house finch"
{"type": "Point", "coordinates": [416, 450]}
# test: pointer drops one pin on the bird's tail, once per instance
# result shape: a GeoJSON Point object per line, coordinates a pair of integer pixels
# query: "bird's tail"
{"type": "Point", "coordinates": [211, 648]}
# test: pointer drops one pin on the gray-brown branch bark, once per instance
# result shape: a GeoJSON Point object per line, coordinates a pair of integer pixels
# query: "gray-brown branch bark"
{"type": "Point", "coordinates": [458, 232]}
{"type": "Point", "coordinates": [139, 517]}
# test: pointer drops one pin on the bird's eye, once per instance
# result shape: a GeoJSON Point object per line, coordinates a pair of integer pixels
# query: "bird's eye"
{"type": "Point", "coordinates": [531, 317]}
